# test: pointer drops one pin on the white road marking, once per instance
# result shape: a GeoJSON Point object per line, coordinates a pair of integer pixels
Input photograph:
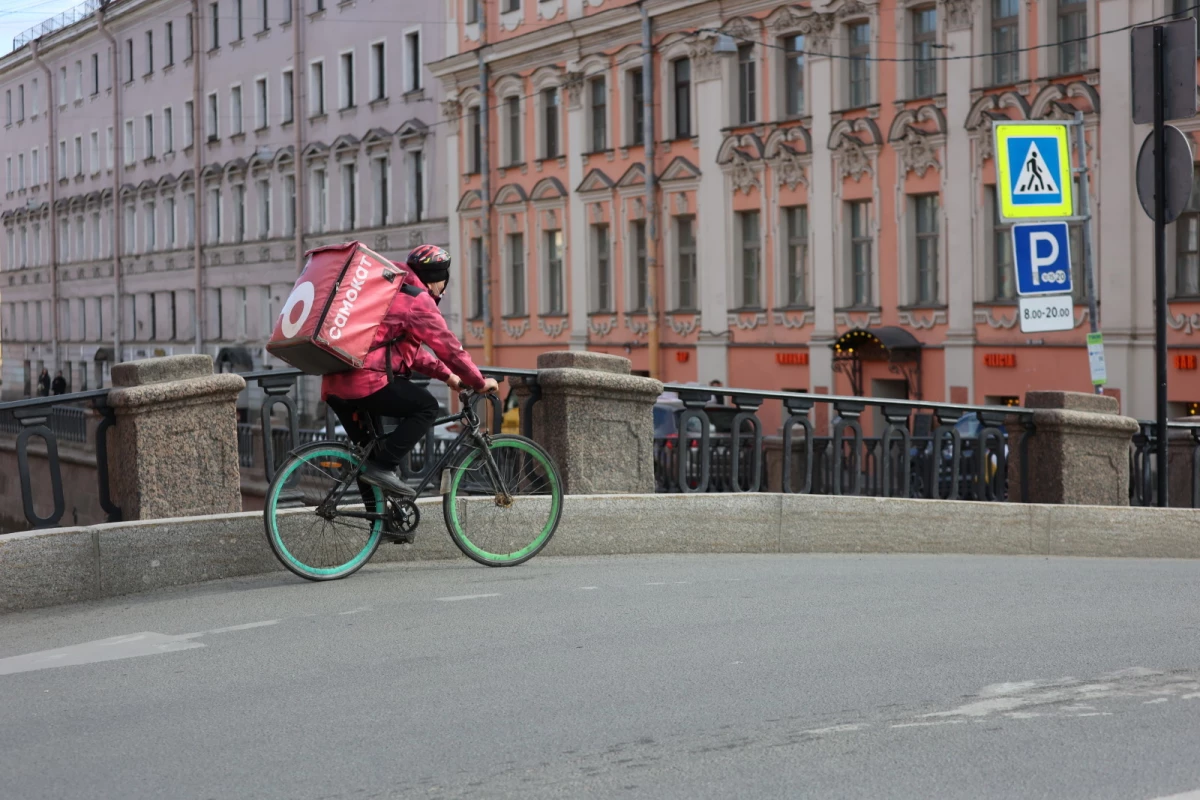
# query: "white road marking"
{"type": "Point", "coordinates": [465, 597]}
{"type": "Point", "coordinates": [1156, 700]}
{"type": "Point", "coordinates": [929, 724]}
{"type": "Point", "coordinates": [354, 611]}
{"type": "Point", "coordinates": [1193, 795]}
{"type": "Point", "coordinates": [1192, 696]}
{"type": "Point", "coordinates": [657, 583]}
{"type": "Point", "coordinates": [249, 625]}
{"type": "Point", "coordinates": [587, 588]}
{"type": "Point", "coordinates": [836, 729]}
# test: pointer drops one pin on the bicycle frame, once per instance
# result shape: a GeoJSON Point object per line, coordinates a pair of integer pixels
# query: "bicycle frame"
{"type": "Point", "coordinates": [471, 430]}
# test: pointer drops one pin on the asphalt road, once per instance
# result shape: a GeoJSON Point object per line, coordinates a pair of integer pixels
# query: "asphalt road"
{"type": "Point", "coordinates": [649, 677]}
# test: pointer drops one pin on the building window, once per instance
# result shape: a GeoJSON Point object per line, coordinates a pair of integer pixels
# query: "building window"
{"type": "Point", "coordinates": [287, 97]}
{"type": "Point", "coordinates": [260, 104]}
{"type": "Point", "coordinates": [1187, 246]}
{"type": "Point", "coordinates": [168, 130]}
{"type": "Point", "coordinates": [550, 123]}
{"type": "Point", "coordinates": [925, 207]}
{"type": "Point", "coordinates": [109, 147]}
{"type": "Point", "coordinates": [317, 87]}
{"type": "Point", "coordinates": [512, 129]}
{"type": "Point", "coordinates": [510, 5]}
{"type": "Point", "coordinates": [637, 109]}
{"type": "Point", "coordinates": [239, 213]}
{"type": "Point", "coordinates": [641, 283]}
{"type": "Point", "coordinates": [149, 136]}
{"type": "Point", "coordinates": [264, 11]}
{"type": "Point", "coordinates": [95, 76]}
{"type": "Point", "coordinates": [349, 197]}
{"type": "Point", "coordinates": [924, 37]}
{"type": "Point", "coordinates": [412, 59]}
{"type": "Point", "coordinates": [21, 103]}
{"type": "Point", "coordinates": [78, 80]}
{"type": "Point", "coordinates": [555, 288]}
{"type": "Point", "coordinates": [685, 245]}
{"type": "Point", "coordinates": [235, 111]}
{"type": "Point", "coordinates": [416, 174]}
{"type": "Point", "coordinates": [8, 107]}
{"type": "Point", "coordinates": [1005, 41]}
{"type": "Point", "coordinates": [149, 52]}
{"type": "Point", "coordinates": [172, 229]}
{"type": "Point", "coordinates": [62, 86]}
{"type": "Point", "coordinates": [320, 196]}
{"type": "Point", "coordinates": [796, 226]}
{"type": "Point", "coordinates": [749, 260]}
{"type": "Point", "coordinates": [378, 71]}
{"type": "Point", "coordinates": [287, 12]}
{"type": "Point", "coordinates": [598, 94]}
{"type": "Point", "coordinates": [602, 268]}
{"type": "Point", "coordinates": [79, 154]}
{"type": "Point", "coordinates": [474, 137]}
{"type": "Point", "coordinates": [471, 13]}
{"type": "Point", "coordinates": [859, 36]}
{"type": "Point", "coordinates": [263, 187]}
{"type": "Point", "coordinates": [793, 76]}
{"type": "Point", "coordinates": [1003, 273]}
{"type": "Point", "coordinates": [128, 65]}
{"type": "Point", "coordinates": [189, 216]}
{"type": "Point", "coordinates": [1072, 30]}
{"type": "Point", "coordinates": [214, 17]}
{"type": "Point", "coordinates": [289, 205]}
{"type": "Point", "coordinates": [189, 122]}
{"type": "Point", "coordinates": [477, 279]}
{"type": "Point", "coordinates": [747, 85]}
{"type": "Point", "coordinates": [516, 274]}
{"type": "Point", "coordinates": [151, 228]}
{"type": "Point", "coordinates": [860, 252]}
{"type": "Point", "coordinates": [681, 71]}
{"type": "Point", "coordinates": [129, 143]}
{"type": "Point", "coordinates": [380, 170]}
{"type": "Point", "coordinates": [346, 65]}
{"type": "Point", "coordinates": [211, 126]}
{"type": "Point", "coordinates": [239, 18]}
{"type": "Point", "coordinates": [94, 152]}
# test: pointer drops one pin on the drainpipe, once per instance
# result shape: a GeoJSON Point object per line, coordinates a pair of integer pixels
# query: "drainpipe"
{"type": "Point", "coordinates": [197, 159]}
{"type": "Point", "coordinates": [652, 266]}
{"type": "Point", "coordinates": [51, 156]}
{"type": "Point", "coordinates": [299, 81]}
{"type": "Point", "coordinates": [486, 190]}
{"type": "Point", "coordinates": [118, 176]}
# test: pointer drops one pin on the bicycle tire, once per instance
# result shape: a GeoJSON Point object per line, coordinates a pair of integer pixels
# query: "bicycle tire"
{"type": "Point", "coordinates": [455, 499]}
{"type": "Point", "coordinates": [368, 531]}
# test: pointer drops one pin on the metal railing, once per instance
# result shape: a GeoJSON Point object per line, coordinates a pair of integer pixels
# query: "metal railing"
{"type": "Point", "coordinates": [59, 21]}
{"type": "Point", "coordinates": [1183, 448]}
{"type": "Point", "coordinates": [716, 443]}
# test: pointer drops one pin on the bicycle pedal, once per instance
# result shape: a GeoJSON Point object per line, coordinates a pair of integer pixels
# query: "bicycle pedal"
{"type": "Point", "coordinates": [399, 538]}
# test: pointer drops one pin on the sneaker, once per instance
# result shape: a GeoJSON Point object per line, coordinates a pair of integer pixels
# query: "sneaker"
{"type": "Point", "coordinates": [385, 478]}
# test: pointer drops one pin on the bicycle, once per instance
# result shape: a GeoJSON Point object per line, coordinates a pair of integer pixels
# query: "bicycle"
{"type": "Point", "coordinates": [484, 479]}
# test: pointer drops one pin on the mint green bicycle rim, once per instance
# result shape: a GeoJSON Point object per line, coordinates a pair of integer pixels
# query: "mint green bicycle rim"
{"type": "Point", "coordinates": [281, 480]}
{"type": "Point", "coordinates": [555, 501]}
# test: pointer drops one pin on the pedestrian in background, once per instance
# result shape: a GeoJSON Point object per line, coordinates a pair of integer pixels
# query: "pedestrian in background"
{"type": "Point", "coordinates": [44, 383]}
{"type": "Point", "coordinates": [60, 384]}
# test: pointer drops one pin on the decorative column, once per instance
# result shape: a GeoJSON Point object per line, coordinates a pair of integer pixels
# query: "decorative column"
{"type": "Point", "coordinates": [452, 110]}
{"type": "Point", "coordinates": [174, 447]}
{"type": "Point", "coordinates": [821, 211]}
{"type": "Point", "coordinates": [713, 212]}
{"type": "Point", "coordinates": [577, 229]}
{"type": "Point", "coordinates": [958, 203]}
{"type": "Point", "coordinates": [597, 421]}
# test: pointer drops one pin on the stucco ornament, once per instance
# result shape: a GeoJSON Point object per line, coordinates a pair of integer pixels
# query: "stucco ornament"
{"type": "Point", "coordinates": [916, 152]}
{"type": "Point", "coordinates": [852, 159]}
{"type": "Point", "coordinates": [553, 329]}
{"type": "Point", "coordinates": [706, 62]}
{"type": "Point", "coordinates": [959, 14]}
{"type": "Point", "coordinates": [451, 109]}
{"type": "Point", "coordinates": [742, 176]}
{"type": "Point", "coordinates": [573, 83]}
{"type": "Point", "coordinates": [788, 170]}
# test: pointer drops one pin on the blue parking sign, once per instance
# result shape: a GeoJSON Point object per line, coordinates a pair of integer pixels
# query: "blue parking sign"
{"type": "Point", "coordinates": [1042, 258]}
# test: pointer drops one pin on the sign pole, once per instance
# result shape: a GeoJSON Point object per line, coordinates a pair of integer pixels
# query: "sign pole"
{"type": "Point", "coordinates": [1085, 211]}
{"type": "Point", "coordinates": [1160, 268]}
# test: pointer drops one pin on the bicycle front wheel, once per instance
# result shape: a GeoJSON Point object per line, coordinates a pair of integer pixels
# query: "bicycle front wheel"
{"type": "Point", "coordinates": [503, 516]}
{"type": "Point", "coordinates": [336, 525]}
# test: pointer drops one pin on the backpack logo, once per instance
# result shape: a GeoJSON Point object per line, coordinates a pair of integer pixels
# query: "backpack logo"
{"type": "Point", "coordinates": [297, 309]}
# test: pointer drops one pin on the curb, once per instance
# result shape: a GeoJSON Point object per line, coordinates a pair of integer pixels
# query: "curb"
{"type": "Point", "coordinates": [70, 565]}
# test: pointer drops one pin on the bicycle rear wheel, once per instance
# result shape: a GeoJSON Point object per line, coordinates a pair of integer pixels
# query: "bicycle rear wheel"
{"type": "Point", "coordinates": [315, 546]}
{"type": "Point", "coordinates": [505, 525]}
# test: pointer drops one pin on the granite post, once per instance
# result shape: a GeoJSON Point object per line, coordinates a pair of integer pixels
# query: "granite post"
{"type": "Point", "coordinates": [597, 421]}
{"type": "Point", "coordinates": [1078, 453]}
{"type": "Point", "coordinates": [174, 448]}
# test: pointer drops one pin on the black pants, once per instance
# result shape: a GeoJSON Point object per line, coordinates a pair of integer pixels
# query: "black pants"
{"type": "Point", "coordinates": [413, 406]}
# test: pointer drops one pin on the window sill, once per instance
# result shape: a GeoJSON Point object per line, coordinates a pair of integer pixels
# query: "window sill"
{"type": "Point", "coordinates": [923, 307]}
{"type": "Point", "coordinates": [858, 309]}
{"type": "Point", "coordinates": [747, 310]}
{"type": "Point", "coordinates": [213, 51]}
{"type": "Point", "coordinates": [348, 111]}
{"type": "Point", "coordinates": [514, 316]}
{"type": "Point", "coordinates": [684, 311]}
{"type": "Point", "coordinates": [148, 160]}
{"type": "Point", "coordinates": [264, 33]}
{"type": "Point", "coordinates": [513, 165]}
{"type": "Point", "coordinates": [999, 302]}
{"type": "Point", "coordinates": [287, 123]}
{"type": "Point", "coordinates": [607, 152]}
{"type": "Point", "coordinates": [238, 138]}
{"type": "Point", "coordinates": [236, 43]}
{"type": "Point", "coordinates": [168, 68]}
{"type": "Point", "coordinates": [855, 109]}
{"type": "Point", "coordinates": [287, 23]}
{"type": "Point", "coordinates": [262, 129]}
{"type": "Point", "coordinates": [378, 102]}
{"type": "Point", "coordinates": [414, 95]}
{"type": "Point", "coordinates": [316, 15]}
{"type": "Point", "coordinates": [319, 117]}
{"type": "Point", "coordinates": [795, 308]}
{"type": "Point", "coordinates": [554, 315]}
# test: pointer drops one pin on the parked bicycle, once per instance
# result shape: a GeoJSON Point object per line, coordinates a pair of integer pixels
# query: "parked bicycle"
{"type": "Point", "coordinates": [502, 498]}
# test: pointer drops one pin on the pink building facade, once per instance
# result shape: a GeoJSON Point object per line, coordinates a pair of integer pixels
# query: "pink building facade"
{"type": "Point", "coordinates": [232, 135]}
{"type": "Point", "coordinates": [826, 212]}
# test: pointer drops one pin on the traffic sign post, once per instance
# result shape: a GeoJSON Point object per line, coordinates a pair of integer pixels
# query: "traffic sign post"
{"type": "Point", "coordinates": [1164, 61]}
{"type": "Point", "coordinates": [1034, 164]}
{"type": "Point", "coordinates": [1054, 312]}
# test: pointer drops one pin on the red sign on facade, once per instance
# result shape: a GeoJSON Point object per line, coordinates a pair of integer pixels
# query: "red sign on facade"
{"type": "Point", "coordinates": [1002, 360]}
{"type": "Point", "coordinates": [792, 359]}
{"type": "Point", "coordinates": [1185, 361]}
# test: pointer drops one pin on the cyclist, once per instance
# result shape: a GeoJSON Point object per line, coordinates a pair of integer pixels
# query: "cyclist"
{"type": "Point", "coordinates": [383, 388]}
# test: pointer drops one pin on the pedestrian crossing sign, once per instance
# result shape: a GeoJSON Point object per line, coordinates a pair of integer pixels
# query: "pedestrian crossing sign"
{"type": "Point", "coordinates": [1033, 166]}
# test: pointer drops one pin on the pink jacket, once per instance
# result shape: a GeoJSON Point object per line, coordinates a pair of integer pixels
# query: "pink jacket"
{"type": "Point", "coordinates": [414, 316]}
